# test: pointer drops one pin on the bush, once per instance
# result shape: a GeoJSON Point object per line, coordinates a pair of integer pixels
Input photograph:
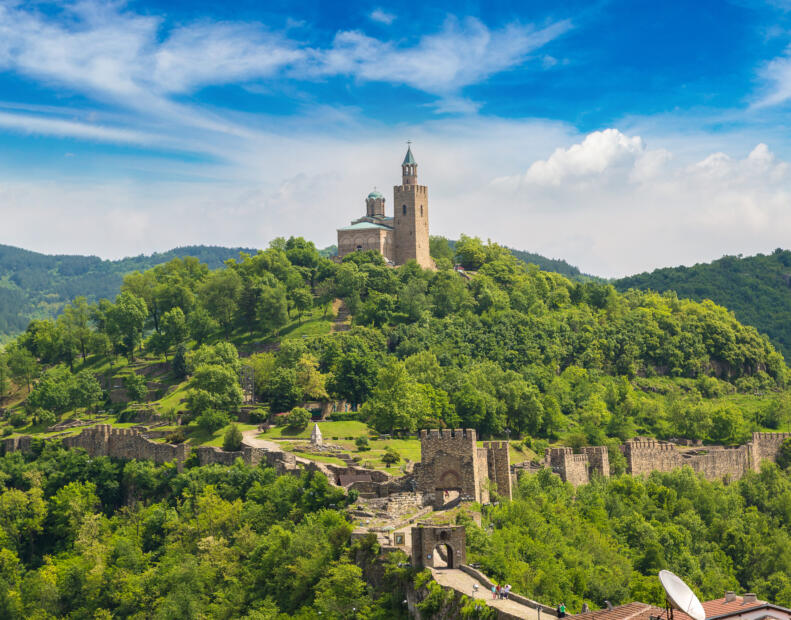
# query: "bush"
{"type": "Point", "coordinates": [176, 436]}
{"type": "Point", "coordinates": [344, 416]}
{"type": "Point", "coordinates": [18, 419]}
{"type": "Point", "coordinates": [391, 456]}
{"type": "Point", "coordinates": [45, 417]}
{"type": "Point", "coordinates": [784, 454]}
{"type": "Point", "coordinates": [362, 444]}
{"type": "Point", "coordinates": [298, 419]}
{"type": "Point", "coordinates": [7, 431]}
{"type": "Point", "coordinates": [212, 420]}
{"type": "Point", "coordinates": [136, 389]}
{"type": "Point", "coordinates": [232, 442]}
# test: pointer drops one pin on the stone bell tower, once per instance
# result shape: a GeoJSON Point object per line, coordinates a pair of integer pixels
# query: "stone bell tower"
{"type": "Point", "coordinates": [410, 218]}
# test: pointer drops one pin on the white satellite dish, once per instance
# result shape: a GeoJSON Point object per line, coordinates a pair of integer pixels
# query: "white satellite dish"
{"type": "Point", "coordinates": [680, 596]}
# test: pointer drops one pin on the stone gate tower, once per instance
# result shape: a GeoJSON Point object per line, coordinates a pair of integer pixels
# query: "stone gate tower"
{"type": "Point", "coordinates": [410, 222]}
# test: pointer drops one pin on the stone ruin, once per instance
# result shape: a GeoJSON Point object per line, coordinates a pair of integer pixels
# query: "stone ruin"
{"type": "Point", "coordinates": [644, 455]}
{"type": "Point", "coordinates": [450, 460]}
{"type": "Point", "coordinates": [428, 542]}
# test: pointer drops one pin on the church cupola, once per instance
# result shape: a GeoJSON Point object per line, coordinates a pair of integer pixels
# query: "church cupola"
{"type": "Point", "coordinates": [409, 168]}
{"type": "Point", "coordinates": [375, 204]}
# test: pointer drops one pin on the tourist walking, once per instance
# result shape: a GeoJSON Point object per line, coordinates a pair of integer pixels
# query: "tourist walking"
{"type": "Point", "coordinates": [494, 592]}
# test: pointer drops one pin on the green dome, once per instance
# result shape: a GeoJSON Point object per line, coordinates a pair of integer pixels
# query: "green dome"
{"type": "Point", "coordinates": [374, 194]}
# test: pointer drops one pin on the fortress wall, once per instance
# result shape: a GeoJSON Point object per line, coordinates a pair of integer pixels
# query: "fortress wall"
{"type": "Point", "coordinates": [451, 441]}
{"type": "Point", "coordinates": [570, 467]}
{"type": "Point", "coordinates": [765, 447]}
{"type": "Point", "coordinates": [717, 462]}
{"type": "Point", "coordinates": [499, 469]}
{"type": "Point", "coordinates": [208, 455]}
{"type": "Point", "coordinates": [646, 455]}
{"type": "Point", "coordinates": [598, 460]}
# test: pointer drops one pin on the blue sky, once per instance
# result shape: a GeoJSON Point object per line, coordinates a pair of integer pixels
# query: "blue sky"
{"type": "Point", "coordinates": [621, 136]}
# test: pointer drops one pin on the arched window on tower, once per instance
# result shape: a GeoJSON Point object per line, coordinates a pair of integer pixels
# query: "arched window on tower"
{"type": "Point", "coordinates": [421, 210]}
{"type": "Point", "coordinates": [403, 208]}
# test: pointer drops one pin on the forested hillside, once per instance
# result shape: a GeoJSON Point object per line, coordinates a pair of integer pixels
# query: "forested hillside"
{"type": "Point", "coordinates": [34, 285]}
{"type": "Point", "coordinates": [756, 288]}
{"type": "Point", "coordinates": [506, 349]}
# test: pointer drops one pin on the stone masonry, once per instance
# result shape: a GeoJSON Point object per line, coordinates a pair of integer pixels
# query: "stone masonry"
{"type": "Point", "coordinates": [644, 455]}
{"type": "Point", "coordinates": [426, 539]}
{"type": "Point", "coordinates": [451, 461]}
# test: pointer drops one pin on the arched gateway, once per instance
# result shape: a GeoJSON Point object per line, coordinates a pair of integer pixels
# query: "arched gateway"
{"type": "Point", "coordinates": [438, 546]}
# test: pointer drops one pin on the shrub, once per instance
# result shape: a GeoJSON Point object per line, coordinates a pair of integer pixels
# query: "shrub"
{"type": "Point", "coordinates": [18, 419]}
{"type": "Point", "coordinates": [784, 454]}
{"type": "Point", "coordinates": [176, 436]}
{"type": "Point", "coordinates": [7, 431]}
{"type": "Point", "coordinates": [344, 416]}
{"type": "Point", "coordinates": [136, 388]}
{"type": "Point", "coordinates": [212, 420]}
{"type": "Point", "coordinates": [45, 417]}
{"type": "Point", "coordinates": [362, 444]}
{"type": "Point", "coordinates": [298, 419]}
{"type": "Point", "coordinates": [232, 442]}
{"type": "Point", "coordinates": [391, 456]}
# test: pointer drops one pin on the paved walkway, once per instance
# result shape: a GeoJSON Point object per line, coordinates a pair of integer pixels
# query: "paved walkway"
{"type": "Point", "coordinates": [250, 438]}
{"type": "Point", "coordinates": [462, 582]}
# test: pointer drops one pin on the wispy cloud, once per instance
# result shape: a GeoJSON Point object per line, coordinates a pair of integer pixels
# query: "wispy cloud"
{"type": "Point", "coordinates": [776, 75]}
{"type": "Point", "coordinates": [463, 53]}
{"type": "Point", "coordinates": [382, 16]}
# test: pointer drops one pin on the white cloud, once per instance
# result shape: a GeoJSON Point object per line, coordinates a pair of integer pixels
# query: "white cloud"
{"type": "Point", "coordinates": [600, 151]}
{"type": "Point", "coordinates": [614, 206]}
{"type": "Point", "coordinates": [382, 16]}
{"type": "Point", "coordinates": [27, 123]}
{"type": "Point", "coordinates": [462, 53]}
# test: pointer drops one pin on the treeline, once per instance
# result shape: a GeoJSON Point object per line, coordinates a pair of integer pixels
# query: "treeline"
{"type": "Point", "coordinates": [756, 288]}
{"type": "Point", "coordinates": [84, 537]}
{"type": "Point", "coordinates": [607, 541]}
{"type": "Point", "coordinates": [34, 285]}
{"type": "Point", "coordinates": [509, 347]}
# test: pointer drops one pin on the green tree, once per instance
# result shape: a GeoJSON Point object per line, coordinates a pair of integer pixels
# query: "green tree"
{"type": "Point", "coordinates": [302, 301]}
{"type": "Point", "coordinates": [396, 402]}
{"type": "Point", "coordinates": [220, 296]}
{"type": "Point", "coordinates": [136, 388]}
{"type": "Point", "coordinates": [126, 318]}
{"type": "Point", "coordinates": [232, 440]}
{"type": "Point", "coordinates": [342, 593]}
{"type": "Point", "coordinates": [272, 309]}
{"type": "Point", "coordinates": [5, 377]}
{"type": "Point", "coordinates": [22, 364]}
{"type": "Point", "coordinates": [77, 321]}
{"type": "Point", "coordinates": [84, 390]}
{"type": "Point", "coordinates": [470, 252]}
{"type": "Point", "coordinates": [201, 325]}
{"type": "Point", "coordinates": [298, 419]}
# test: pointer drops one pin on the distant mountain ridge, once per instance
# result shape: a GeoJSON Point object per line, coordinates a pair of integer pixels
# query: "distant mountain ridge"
{"type": "Point", "coordinates": [36, 285]}
{"type": "Point", "coordinates": [756, 288]}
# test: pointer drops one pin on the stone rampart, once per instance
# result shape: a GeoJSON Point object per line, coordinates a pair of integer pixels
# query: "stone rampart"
{"type": "Point", "coordinates": [498, 464]}
{"type": "Point", "coordinates": [125, 443]}
{"type": "Point", "coordinates": [570, 467]}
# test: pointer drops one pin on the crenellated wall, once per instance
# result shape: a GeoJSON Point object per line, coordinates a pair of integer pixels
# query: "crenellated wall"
{"type": "Point", "coordinates": [645, 455]}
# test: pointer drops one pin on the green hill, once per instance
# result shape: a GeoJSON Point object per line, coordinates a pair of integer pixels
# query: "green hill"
{"type": "Point", "coordinates": [756, 288]}
{"type": "Point", "coordinates": [34, 285]}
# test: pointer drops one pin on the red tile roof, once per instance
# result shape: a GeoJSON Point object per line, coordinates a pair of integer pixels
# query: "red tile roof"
{"type": "Point", "coordinates": [644, 611]}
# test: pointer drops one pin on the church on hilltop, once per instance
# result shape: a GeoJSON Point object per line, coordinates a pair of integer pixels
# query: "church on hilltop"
{"type": "Point", "coordinates": [400, 238]}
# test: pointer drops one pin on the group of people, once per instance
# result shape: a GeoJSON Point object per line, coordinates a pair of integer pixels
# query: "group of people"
{"type": "Point", "coordinates": [561, 610]}
{"type": "Point", "coordinates": [499, 591]}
